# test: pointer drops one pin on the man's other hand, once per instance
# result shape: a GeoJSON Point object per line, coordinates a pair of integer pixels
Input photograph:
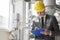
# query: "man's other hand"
{"type": "Point", "coordinates": [46, 32]}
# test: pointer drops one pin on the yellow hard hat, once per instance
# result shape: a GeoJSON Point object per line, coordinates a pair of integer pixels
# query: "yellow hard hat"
{"type": "Point", "coordinates": [39, 6]}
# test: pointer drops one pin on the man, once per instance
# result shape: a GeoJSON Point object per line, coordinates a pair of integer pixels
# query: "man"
{"type": "Point", "coordinates": [44, 21]}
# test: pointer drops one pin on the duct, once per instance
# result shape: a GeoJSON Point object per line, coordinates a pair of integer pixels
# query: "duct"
{"type": "Point", "coordinates": [27, 0]}
{"type": "Point", "coordinates": [50, 10]}
{"type": "Point", "coordinates": [49, 2]}
{"type": "Point", "coordinates": [57, 7]}
{"type": "Point", "coordinates": [33, 1]}
{"type": "Point", "coordinates": [49, 6]}
{"type": "Point", "coordinates": [57, 15]}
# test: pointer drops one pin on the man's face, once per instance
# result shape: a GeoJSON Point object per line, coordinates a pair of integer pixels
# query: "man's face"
{"type": "Point", "coordinates": [41, 13]}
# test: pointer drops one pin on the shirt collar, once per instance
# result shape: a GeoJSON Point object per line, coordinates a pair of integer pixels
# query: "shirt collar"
{"type": "Point", "coordinates": [43, 16]}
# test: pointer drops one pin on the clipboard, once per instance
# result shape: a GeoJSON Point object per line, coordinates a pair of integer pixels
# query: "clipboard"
{"type": "Point", "coordinates": [37, 32]}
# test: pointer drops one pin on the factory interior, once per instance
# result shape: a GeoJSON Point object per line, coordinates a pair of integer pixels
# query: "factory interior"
{"type": "Point", "coordinates": [16, 17]}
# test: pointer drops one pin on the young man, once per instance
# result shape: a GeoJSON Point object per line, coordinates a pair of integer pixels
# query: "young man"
{"type": "Point", "coordinates": [44, 21]}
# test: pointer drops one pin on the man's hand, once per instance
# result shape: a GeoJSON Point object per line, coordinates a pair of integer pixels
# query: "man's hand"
{"type": "Point", "coordinates": [36, 28]}
{"type": "Point", "coordinates": [47, 32]}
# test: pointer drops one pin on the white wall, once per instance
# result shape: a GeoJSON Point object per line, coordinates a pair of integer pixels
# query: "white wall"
{"type": "Point", "coordinates": [4, 12]}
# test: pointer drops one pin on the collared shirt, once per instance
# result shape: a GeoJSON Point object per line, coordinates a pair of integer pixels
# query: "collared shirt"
{"type": "Point", "coordinates": [38, 19]}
